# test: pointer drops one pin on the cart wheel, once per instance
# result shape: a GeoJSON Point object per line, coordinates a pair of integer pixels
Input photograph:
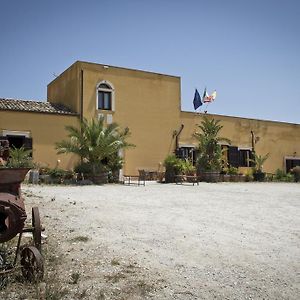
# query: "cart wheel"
{"type": "Point", "coordinates": [32, 264]}
{"type": "Point", "coordinates": [37, 229]}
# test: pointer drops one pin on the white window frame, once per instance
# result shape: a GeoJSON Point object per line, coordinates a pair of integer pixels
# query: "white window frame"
{"type": "Point", "coordinates": [248, 158]}
{"type": "Point", "coordinates": [111, 90]}
{"type": "Point", "coordinates": [15, 133]}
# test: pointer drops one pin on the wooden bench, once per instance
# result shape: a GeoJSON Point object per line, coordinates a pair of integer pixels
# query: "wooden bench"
{"type": "Point", "coordinates": [180, 179]}
{"type": "Point", "coordinates": [133, 180]}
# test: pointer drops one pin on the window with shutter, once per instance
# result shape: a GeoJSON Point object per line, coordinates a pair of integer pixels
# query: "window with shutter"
{"type": "Point", "coordinates": [233, 156]}
{"type": "Point", "coordinates": [28, 143]}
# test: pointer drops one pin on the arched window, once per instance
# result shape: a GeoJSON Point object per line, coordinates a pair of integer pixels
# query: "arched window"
{"type": "Point", "coordinates": [105, 96]}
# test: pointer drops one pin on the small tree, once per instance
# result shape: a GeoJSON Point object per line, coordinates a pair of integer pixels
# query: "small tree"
{"type": "Point", "coordinates": [173, 167]}
{"type": "Point", "coordinates": [258, 161]}
{"type": "Point", "coordinates": [210, 152]}
{"type": "Point", "coordinates": [95, 143]}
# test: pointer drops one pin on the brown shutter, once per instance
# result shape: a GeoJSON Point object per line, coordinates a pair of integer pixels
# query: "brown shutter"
{"type": "Point", "coordinates": [233, 156]}
{"type": "Point", "coordinates": [28, 143]}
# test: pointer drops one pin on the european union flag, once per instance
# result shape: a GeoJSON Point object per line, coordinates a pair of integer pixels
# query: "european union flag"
{"type": "Point", "coordinates": [197, 100]}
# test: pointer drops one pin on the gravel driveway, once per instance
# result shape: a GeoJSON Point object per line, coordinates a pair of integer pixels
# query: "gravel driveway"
{"type": "Point", "coordinates": [167, 241]}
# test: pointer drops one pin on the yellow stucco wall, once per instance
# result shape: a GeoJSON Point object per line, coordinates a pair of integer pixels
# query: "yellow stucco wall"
{"type": "Point", "coordinates": [45, 130]}
{"type": "Point", "coordinates": [149, 104]}
{"type": "Point", "coordinates": [277, 138]}
{"type": "Point", "coordinates": [65, 89]}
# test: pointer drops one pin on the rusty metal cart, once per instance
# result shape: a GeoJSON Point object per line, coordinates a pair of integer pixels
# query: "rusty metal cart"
{"type": "Point", "coordinates": [12, 223]}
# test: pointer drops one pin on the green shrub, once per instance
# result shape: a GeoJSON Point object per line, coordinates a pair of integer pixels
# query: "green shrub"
{"type": "Point", "coordinates": [187, 167]}
{"type": "Point", "coordinates": [88, 168]}
{"type": "Point", "coordinates": [233, 171]}
{"type": "Point", "coordinates": [280, 175]}
{"type": "Point", "coordinates": [60, 173]}
{"type": "Point", "coordinates": [19, 158]}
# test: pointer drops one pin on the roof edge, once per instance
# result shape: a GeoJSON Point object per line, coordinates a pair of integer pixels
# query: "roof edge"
{"type": "Point", "coordinates": [237, 117]}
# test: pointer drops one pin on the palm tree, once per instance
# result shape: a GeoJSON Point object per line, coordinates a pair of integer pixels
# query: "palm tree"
{"type": "Point", "coordinates": [210, 152]}
{"type": "Point", "coordinates": [258, 161]}
{"type": "Point", "coordinates": [94, 142]}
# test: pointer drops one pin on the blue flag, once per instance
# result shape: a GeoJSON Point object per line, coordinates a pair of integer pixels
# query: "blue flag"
{"type": "Point", "coordinates": [197, 100]}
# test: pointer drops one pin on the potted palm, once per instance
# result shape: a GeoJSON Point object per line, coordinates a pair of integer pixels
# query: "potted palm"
{"type": "Point", "coordinates": [188, 168]}
{"type": "Point", "coordinates": [173, 166]}
{"type": "Point", "coordinates": [259, 160]}
{"type": "Point", "coordinates": [209, 161]}
{"type": "Point", "coordinates": [16, 165]}
{"type": "Point", "coordinates": [98, 147]}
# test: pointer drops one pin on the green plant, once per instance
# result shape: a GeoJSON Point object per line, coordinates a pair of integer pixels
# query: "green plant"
{"type": "Point", "coordinates": [60, 173]}
{"type": "Point", "coordinates": [233, 171]}
{"type": "Point", "coordinates": [279, 175]}
{"type": "Point", "coordinates": [249, 176]}
{"type": "Point", "coordinates": [20, 158]}
{"type": "Point", "coordinates": [174, 166]}
{"type": "Point", "coordinates": [95, 143]}
{"type": "Point", "coordinates": [170, 161]}
{"type": "Point", "coordinates": [175, 163]}
{"type": "Point", "coordinates": [258, 161]}
{"type": "Point", "coordinates": [90, 168]}
{"type": "Point", "coordinates": [210, 152]}
{"type": "Point", "coordinates": [187, 167]}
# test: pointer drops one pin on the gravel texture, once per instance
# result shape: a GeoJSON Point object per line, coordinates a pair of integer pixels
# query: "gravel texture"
{"type": "Point", "coordinates": [167, 241]}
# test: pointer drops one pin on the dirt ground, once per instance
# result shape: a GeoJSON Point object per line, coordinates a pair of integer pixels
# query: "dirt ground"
{"type": "Point", "coordinates": [166, 241]}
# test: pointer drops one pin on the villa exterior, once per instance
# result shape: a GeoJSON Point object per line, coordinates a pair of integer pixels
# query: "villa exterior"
{"type": "Point", "coordinates": [150, 105]}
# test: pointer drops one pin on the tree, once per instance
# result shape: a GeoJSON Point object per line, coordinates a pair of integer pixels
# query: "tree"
{"type": "Point", "coordinates": [95, 143]}
{"type": "Point", "coordinates": [258, 161]}
{"type": "Point", "coordinates": [210, 152]}
{"type": "Point", "coordinates": [258, 174]}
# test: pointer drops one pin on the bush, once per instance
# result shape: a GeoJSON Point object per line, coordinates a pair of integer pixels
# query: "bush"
{"type": "Point", "coordinates": [88, 168]}
{"type": "Point", "coordinates": [233, 171]}
{"type": "Point", "coordinates": [187, 167]}
{"type": "Point", "coordinates": [60, 173]}
{"type": "Point", "coordinates": [173, 167]}
{"type": "Point", "coordinates": [19, 158]}
{"type": "Point", "coordinates": [280, 175]}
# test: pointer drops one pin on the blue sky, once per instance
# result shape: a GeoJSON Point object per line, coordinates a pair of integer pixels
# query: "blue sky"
{"type": "Point", "coordinates": [249, 51]}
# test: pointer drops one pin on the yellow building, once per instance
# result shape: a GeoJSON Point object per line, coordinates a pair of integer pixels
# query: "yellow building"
{"type": "Point", "coordinates": [150, 105]}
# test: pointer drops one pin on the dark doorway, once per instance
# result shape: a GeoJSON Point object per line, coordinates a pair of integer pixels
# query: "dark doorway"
{"type": "Point", "coordinates": [290, 163]}
{"type": "Point", "coordinates": [16, 141]}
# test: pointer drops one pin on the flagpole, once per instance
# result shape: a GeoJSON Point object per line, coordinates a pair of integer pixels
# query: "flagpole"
{"type": "Point", "coordinates": [205, 111]}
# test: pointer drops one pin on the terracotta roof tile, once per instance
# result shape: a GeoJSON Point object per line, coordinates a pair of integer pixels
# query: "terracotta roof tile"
{"type": "Point", "coordinates": [34, 106]}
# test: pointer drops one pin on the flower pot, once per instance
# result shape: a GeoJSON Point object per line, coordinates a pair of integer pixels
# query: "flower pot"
{"type": "Point", "coordinates": [100, 178]}
{"type": "Point", "coordinates": [259, 176]}
{"type": "Point", "coordinates": [210, 176]}
{"type": "Point", "coordinates": [224, 177]}
{"type": "Point", "coordinates": [170, 175]}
